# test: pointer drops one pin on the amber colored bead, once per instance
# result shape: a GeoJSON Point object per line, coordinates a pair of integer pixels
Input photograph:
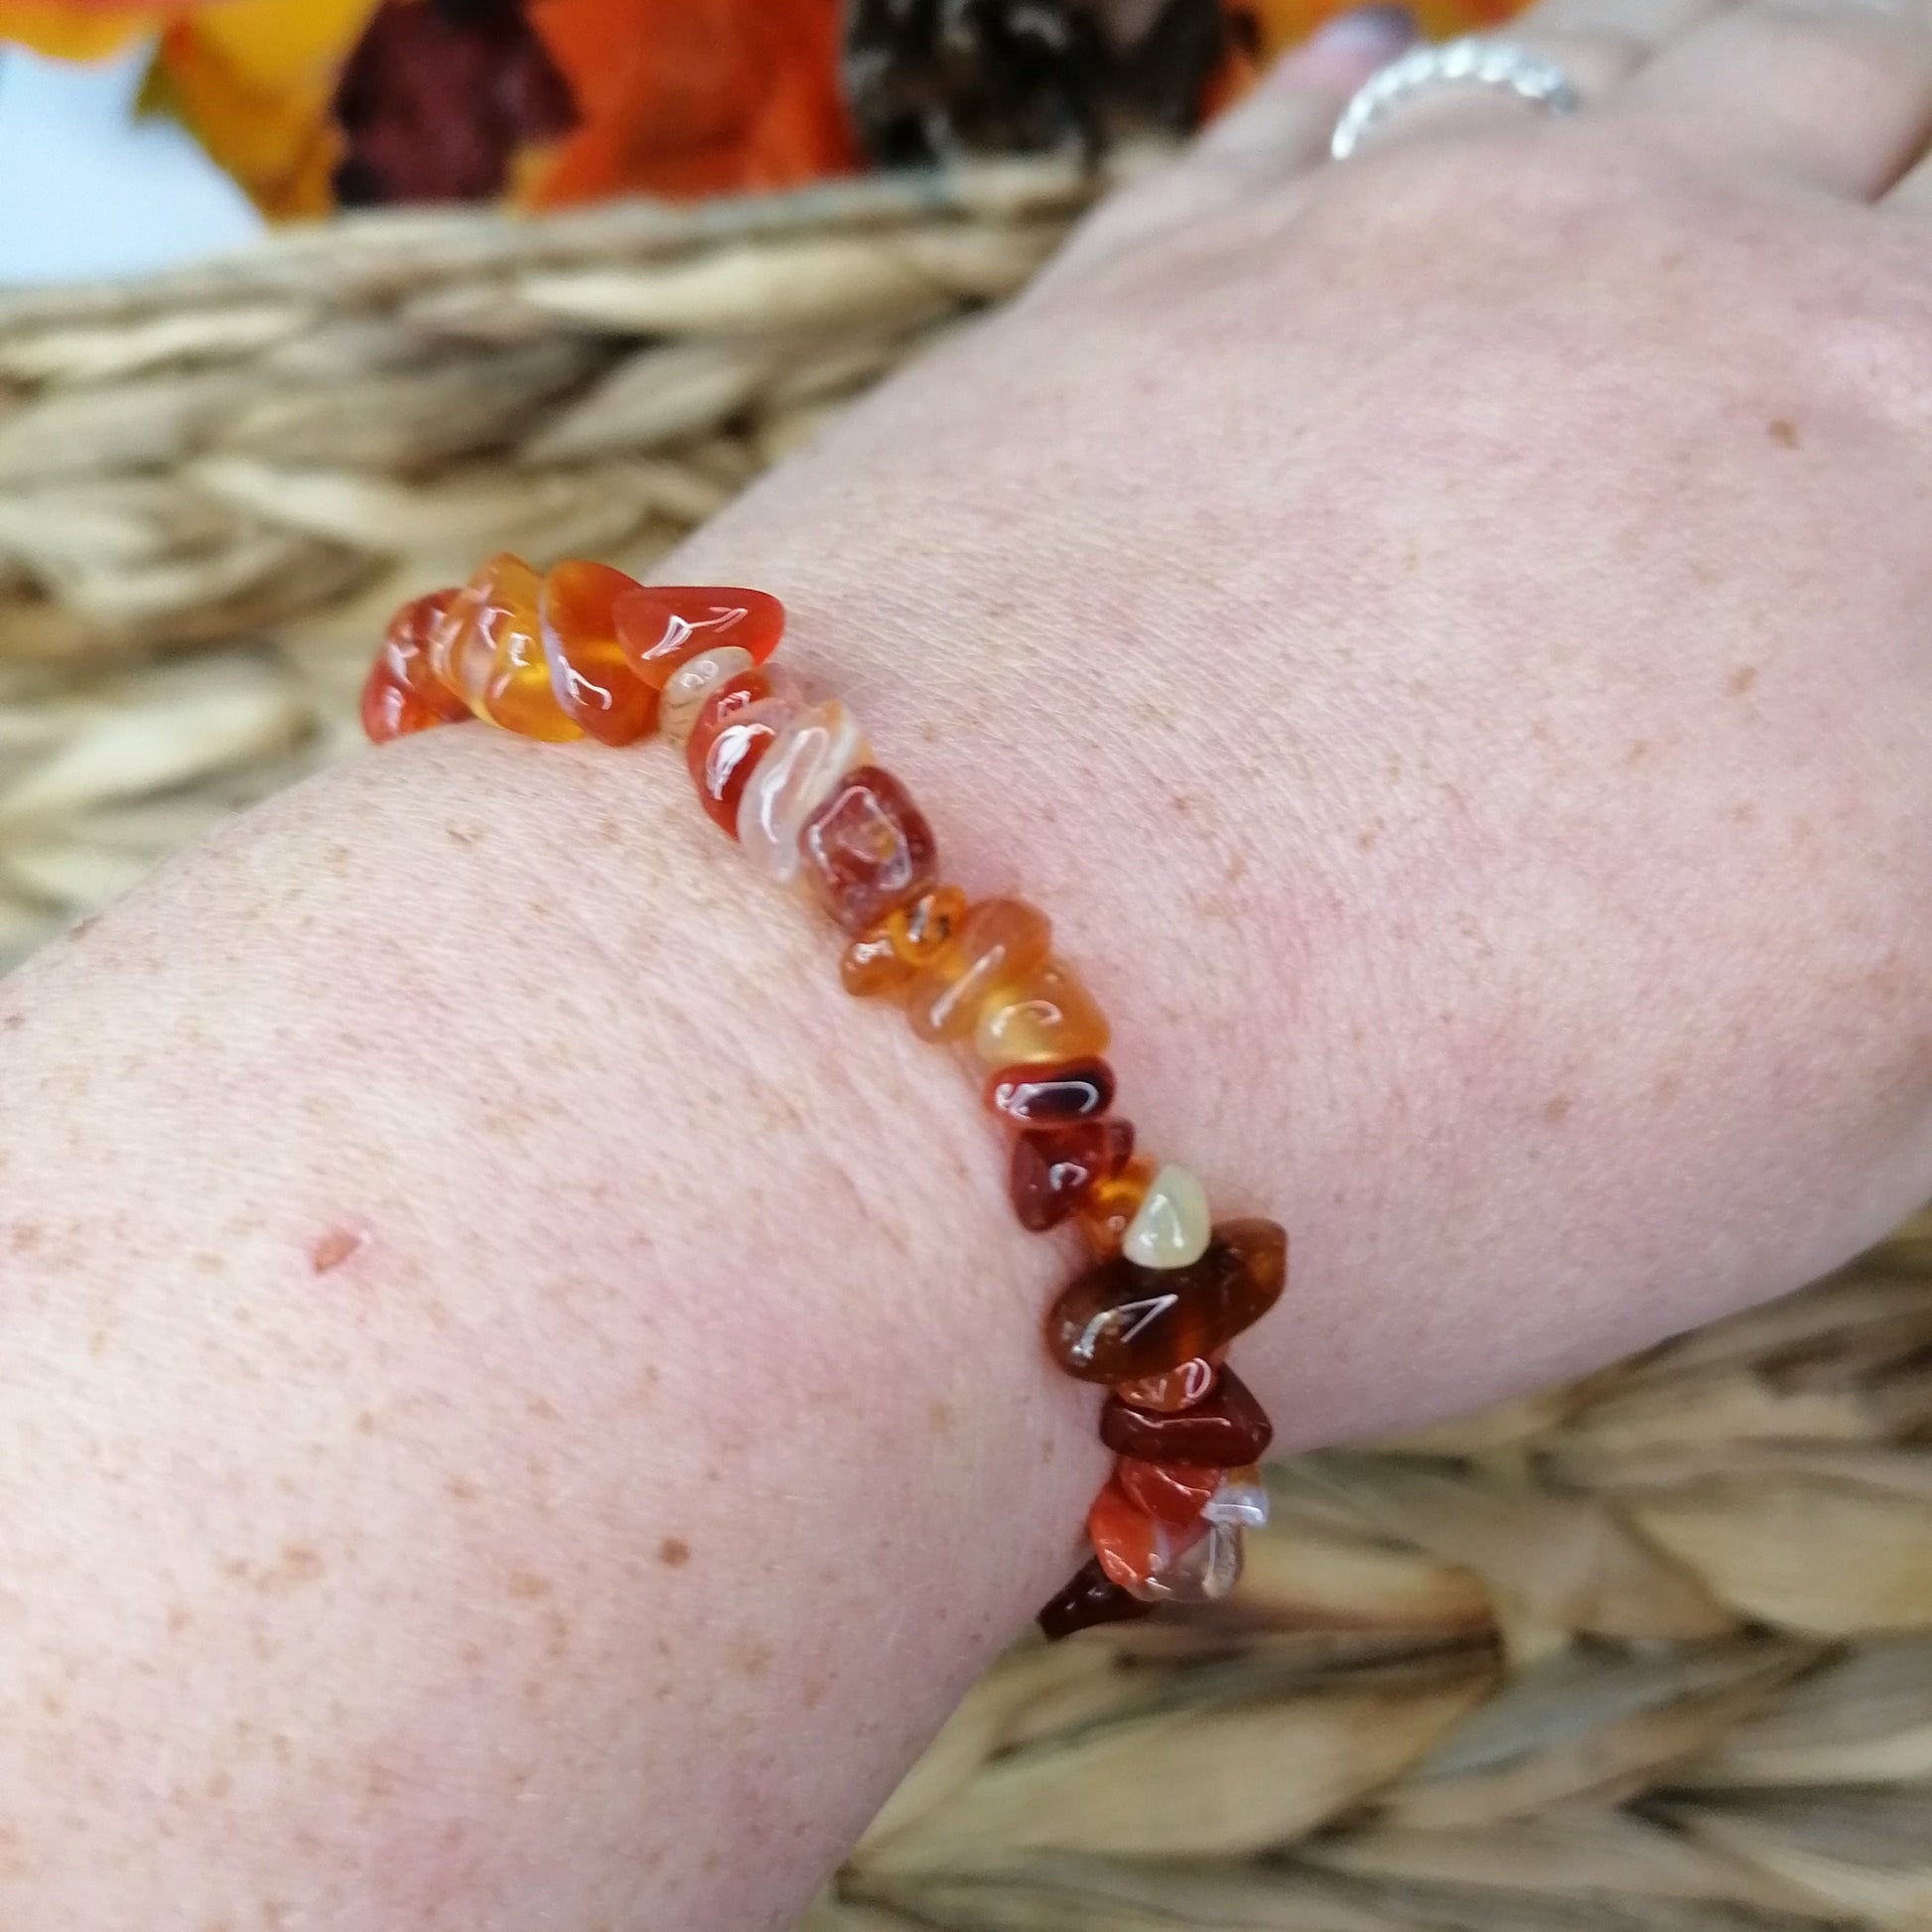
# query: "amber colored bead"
{"type": "Point", "coordinates": [1174, 1492]}
{"type": "Point", "coordinates": [797, 774]}
{"type": "Point", "coordinates": [659, 625]}
{"type": "Point", "coordinates": [737, 727]}
{"type": "Point", "coordinates": [1089, 1600]}
{"type": "Point", "coordinates": [500, 666]}
{"type": "Point", "coordinates": [1118, 1321]}
{"type": "Point", "coordinates": [921, 932]}
{"type": "Point", "coordinates": [720, 707]}
{"type": "Point", "coordinates": [1043, 1015]}
{"type": "Point", "coordinates": [691, 686]}
{"type": "Point", "coordinates": [1002, 941]}
{"type": "Point", "coordinates": [460, 654]}
{"type": "Point", "coordinates": [1054, 1167]}
{"type": "Point", "coordinates": [1109, 1208]}
{"type": "Point", "coordinates": [1226, 1431]}
{"type": "Point", "coordinates": [389, 712]}
{"type": "Point", "coordinates": [406, 661]}
{"type": "Point", "coordinates": [868, 850]}
{"type": "Point", "coordinates": [592, 684]}
{"type": "Point", "coordinates": [1240, 1501]}
{"type": "Point", "coordinates": [870, 968]}
{"type": "Point", "coordinates": [1051, 1096]}
{"type": "Point", "coordinates": [1203, 1570]}
{"type": "Point", "coordinates": [1180, 1388]}
{"type": "Point", "coordinates": [1133, 1546]}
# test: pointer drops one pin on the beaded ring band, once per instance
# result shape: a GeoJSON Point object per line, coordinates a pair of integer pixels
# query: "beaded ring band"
{"type": "Point", "coordinates": [586, 652]}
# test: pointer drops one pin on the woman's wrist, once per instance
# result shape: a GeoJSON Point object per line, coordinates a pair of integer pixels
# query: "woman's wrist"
{"type": "Point", "coordinates": [585, 1266]}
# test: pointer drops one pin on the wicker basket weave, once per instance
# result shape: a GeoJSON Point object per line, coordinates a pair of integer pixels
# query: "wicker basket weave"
{"type": "Point", "coordinates": [1650, 1652]}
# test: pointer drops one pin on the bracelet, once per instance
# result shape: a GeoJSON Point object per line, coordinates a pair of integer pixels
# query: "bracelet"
{"type": "Point", "coordinates": [585, 651]}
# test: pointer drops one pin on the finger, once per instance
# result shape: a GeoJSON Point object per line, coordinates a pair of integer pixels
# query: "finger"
{"type": "Point", "coordinates": [1598, 45]}
{"type": "Point", "coordinates": [1912, 192]}
{"type": "Point", "coordinates": [1285, 124]}
{"type": "Point", "coordinates": [1835, 93]}
{"type": "Point", "coordinates": [1648, 25]}
{"type": "Point", "coordinates": [1279, 131]}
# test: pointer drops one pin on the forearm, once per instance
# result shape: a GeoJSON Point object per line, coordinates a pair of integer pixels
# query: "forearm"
{"type": "Point", "coordinates": [518, 1376]}
{"type": "Point", "coordinates": [511, 1376]}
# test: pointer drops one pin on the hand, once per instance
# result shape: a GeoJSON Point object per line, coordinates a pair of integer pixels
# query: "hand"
{"type": "Point", "coordinates": [1464, 614]}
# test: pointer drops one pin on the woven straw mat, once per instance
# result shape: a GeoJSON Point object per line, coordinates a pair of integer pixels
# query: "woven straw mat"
{"type": "Point", "coordinates": [1654, 1651]}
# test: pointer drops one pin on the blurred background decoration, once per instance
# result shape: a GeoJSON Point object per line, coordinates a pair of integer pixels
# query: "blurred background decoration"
{"type": "Point", "coordinates": [318, 104]}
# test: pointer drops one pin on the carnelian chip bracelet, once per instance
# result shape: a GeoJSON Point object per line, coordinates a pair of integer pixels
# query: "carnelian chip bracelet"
{"type": "Point", "coordinates": [585, 651]}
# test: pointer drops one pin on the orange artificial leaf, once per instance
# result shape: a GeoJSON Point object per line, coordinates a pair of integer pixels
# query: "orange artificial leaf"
{"type": "Point", "coordinates": [689, 97]}
{"type": "Point", "coordinates": [253, 80]}
{"type": "Point", "coordinates": [72, 29]}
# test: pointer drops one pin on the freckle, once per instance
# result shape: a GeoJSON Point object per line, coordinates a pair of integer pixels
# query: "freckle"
{"type": "Point", "coordinates": [365, 1421]}
{"type": "Point", "coordinates": [1742, 678]}
{"type": "Point", "coordinates": [27, 1236]}
{"type": "Point", "coordinates": [13, 1022]}
{"type": "Point", "coordinates": [460, 1489]}
{"type": "Point", "coordinates": [1182, 804]}
{"type": "Point", "coordinates": [1638, 750]}
{"type": "Point", "coordinates": [1666, 1088]}
{"type": "Point", "coordinates": [526, 1583]}
{"type": "Point", "coordinates": [219, 1785]}
{"type": "Point", "coordinates": [300, 1565]}
{"type": "Point", "coordinates": [540, 1409]}
{"type": "Point", "coordinates": [1782, 430]}
{"type": "Point", "coordinates": [940, 1418]}
{"type": "Point", "coordinates": [179, 1618]}
{"type": "Point", "coordinates": [471, 1656]}
{"type": "Point", "coordinates": [334, 1248]}
{"type": "Point", "coordinates": [749, 1658]}
{"type": "Point", "coordinates": [674, 1552]}
{"type": "Point", "coordinates": [556, 1628]}
{"type": "Point", "coordinates": [1557, 1109]}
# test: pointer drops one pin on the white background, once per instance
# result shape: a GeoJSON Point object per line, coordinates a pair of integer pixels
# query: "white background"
{"type": "Point", "coordinates": [86, 191]}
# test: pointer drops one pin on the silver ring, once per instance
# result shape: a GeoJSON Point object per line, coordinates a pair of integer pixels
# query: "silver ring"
{"type": "Point", "coordinates": [1477, 60]}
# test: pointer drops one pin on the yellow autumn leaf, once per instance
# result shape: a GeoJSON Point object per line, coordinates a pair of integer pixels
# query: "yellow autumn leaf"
{"type": "Point", "coordinates": [70, 32]}
{"type": "Point", "coordinates": [253, 80]}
